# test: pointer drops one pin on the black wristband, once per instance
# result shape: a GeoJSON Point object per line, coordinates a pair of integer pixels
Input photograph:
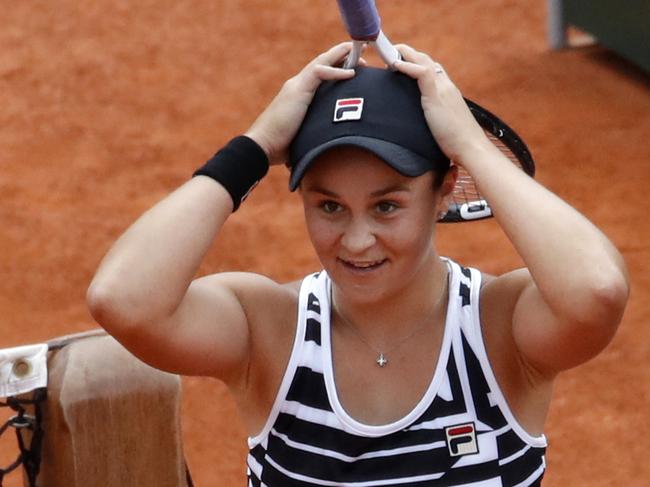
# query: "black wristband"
{"type": "Point", "coordinates": [238, 167]}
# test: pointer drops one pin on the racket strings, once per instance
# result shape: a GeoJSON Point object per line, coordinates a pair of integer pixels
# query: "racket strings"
{"type": "Point", "coordinates": [466, 193]}
{"type": "Point", "coordinates": [465, 190]}
{"type": "Point", "coordinates": [505, 150]}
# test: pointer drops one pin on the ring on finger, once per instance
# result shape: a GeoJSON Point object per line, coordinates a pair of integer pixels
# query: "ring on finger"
{"type": "Point", "coordinates": [438, 69]}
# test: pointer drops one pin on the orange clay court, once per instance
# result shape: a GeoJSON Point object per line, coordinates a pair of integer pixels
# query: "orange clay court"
{"type": "Point", "coordinates": [107, 106]}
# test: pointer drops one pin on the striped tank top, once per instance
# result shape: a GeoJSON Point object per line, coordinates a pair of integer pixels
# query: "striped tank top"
{"type": "Point", "coordinates": [461, 433]}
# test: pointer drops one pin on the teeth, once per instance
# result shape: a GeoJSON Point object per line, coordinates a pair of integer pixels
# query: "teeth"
{"type": "Point", "coordinates": [365, 265]}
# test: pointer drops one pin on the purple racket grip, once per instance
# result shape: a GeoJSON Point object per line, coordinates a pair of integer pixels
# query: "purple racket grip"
{"type": "Point", "coordinates": [361, 19]}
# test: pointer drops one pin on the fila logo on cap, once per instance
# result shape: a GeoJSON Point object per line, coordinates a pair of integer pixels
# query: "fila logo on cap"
{"type": "Point", "coordinates": [348, 109]}
{"type": "Point", "coordinates": [461, 439]}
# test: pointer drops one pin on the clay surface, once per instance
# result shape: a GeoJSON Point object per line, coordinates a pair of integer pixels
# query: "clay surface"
{"type": "Point", "coordinates": [106, 106]}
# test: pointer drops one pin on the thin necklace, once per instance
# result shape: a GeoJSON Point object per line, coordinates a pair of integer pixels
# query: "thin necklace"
{"type": "Point", "coordinates": [382, 358]}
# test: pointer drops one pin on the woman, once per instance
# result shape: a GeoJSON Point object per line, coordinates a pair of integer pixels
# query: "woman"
{"type": "Point", "coordinates": [382, 369]}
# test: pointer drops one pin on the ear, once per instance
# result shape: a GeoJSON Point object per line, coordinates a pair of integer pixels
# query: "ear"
{"type": "Point", "coordinates": [449, 183]}
{"type": "Point", "coordinates": [446, 191]}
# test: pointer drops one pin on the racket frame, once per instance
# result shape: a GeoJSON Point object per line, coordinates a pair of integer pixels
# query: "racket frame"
{"type": "Point", "coordinates": [463, 209]}
{"type": "Point", "coordinates": [388, 53]}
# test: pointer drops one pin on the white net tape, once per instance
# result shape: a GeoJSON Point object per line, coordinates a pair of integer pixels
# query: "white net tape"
{"type": "Point", "coordinates": [22, 369]}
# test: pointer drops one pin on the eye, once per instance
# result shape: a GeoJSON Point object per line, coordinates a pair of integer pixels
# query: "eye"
{"type": "Point", "coordinates": [330, 206]}
{"type": "Point", "coordinates": [386, 207]}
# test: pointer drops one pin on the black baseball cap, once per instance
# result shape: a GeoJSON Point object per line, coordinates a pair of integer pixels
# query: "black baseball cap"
{"type": "Point", "coordinates": [377, 110]}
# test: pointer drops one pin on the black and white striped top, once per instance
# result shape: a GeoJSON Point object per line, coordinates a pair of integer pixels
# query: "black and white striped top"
{"type": "Point", "coordinates": [461, 433]}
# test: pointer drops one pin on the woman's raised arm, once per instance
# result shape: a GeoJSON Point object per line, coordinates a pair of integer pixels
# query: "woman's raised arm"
{"type": "Point", "coordinates": [571, 297]}
{"type": "Point", "coordinates": [143, 292]}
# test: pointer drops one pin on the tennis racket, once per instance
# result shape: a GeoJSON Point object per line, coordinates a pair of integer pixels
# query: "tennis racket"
{"type": "Point", "coordinates": [363, 23]}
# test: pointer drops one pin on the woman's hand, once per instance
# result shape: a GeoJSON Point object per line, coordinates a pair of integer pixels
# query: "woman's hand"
{"type": "Point", "coordinates": [276, 127]}
{"type": "Point", "coordinates": [449, 119]}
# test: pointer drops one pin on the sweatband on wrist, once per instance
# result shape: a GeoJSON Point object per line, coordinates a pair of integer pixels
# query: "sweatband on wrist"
{"type": "Point", "coordinates": [238, 167]}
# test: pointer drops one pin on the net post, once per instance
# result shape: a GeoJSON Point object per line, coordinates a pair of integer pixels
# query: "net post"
{"type": "Point", "coordinates": [110, 419]}
{"type": "Point", "coordinates": [557, 36]}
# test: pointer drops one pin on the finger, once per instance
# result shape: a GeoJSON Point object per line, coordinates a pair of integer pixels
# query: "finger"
{"type": "Point", "coordinates": [429, 67]}
{"type": "Point", "coordinates": [414, 70]}
{"type": "Point", "coordinates": [311, 75]}
{"type": "Point", "coordinates": [411, 55]}
{"type": "Point", "coordinates": [335, 54]}
{"type": "Point", "coordinates": [404, 48]}
{"type": "Point", "coordinates": [406, 51]}
{"type": "Point", "coordinates": [311, 79]}
{"type": "Point", "coordinates": [323, 73]}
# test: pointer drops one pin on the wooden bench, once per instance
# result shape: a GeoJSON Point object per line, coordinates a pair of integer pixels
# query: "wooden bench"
{"type": "Point", "coordinates": [110, 420]}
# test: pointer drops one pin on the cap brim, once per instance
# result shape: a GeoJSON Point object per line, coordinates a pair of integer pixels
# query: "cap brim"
{"type": "Point", "coordinates": [404, 161]}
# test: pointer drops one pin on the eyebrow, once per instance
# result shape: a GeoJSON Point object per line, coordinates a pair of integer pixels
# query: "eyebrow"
{"type": "Point", "coordinates": [393, 188]}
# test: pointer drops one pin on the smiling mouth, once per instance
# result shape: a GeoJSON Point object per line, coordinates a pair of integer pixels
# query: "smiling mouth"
{"type": "Point", "coordinates": [363, 266]}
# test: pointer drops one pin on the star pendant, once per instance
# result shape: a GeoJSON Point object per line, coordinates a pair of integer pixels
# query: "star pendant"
{"type": "Point", "coordinates": [382, 361]}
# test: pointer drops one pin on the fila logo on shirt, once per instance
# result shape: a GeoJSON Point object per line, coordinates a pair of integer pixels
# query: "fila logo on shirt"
{"type": "Point", "coordinates": [461, 439]}
{"type": "Point", "coordinates": [348, 109]}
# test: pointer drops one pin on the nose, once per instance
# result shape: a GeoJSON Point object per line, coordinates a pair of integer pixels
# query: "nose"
{"type": "Point", "coordinates": [358, 236]}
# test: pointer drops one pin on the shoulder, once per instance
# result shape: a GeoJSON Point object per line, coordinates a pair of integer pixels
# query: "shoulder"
{"type": "Point", "coordinates": [527, 391]}
{"type": "Point", "coordinates": [498, 297]}
{"type": "Point", "coordinates": [496, 291]}
{"type": "Point", "coordinates": [271, 311]}
{"type": "Point", "coordinates": [271, 308]}
{"type": "Point", "coordinates": [511, 282]}
{"type": "Point", "coordinates": [253, 289]}
{"type": "Point", "coordinates": [262, 299]}
{"type": "Point", "coordinates": [499, 303]}
{"type": "Point", "coordinates": [267, 310]}
{"type": "Point", "coordinates": [498, 300]}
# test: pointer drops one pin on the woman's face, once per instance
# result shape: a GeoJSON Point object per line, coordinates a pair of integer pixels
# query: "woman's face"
{"type": "Point", "coordinates": [371, 227]}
